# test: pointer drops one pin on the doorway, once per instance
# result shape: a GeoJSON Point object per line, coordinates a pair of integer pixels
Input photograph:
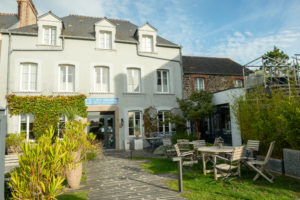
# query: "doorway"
{"type": "Point", "coordinates": [102, 124]}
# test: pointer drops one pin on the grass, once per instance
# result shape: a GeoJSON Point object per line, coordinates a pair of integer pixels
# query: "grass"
{"type": "Point", "coordinates": [198, 186]}
{"type": "Point", "coordinates": [82, 195]}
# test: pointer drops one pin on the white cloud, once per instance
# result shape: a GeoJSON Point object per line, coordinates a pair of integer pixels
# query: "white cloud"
{"type": "Point", "coordinates": [243, 48]}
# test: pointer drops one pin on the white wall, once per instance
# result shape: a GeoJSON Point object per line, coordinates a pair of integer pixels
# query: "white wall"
{"type": "Point", "coordinates": [227, 96]}
{"type": "Point", "coordinates": [84, 55]}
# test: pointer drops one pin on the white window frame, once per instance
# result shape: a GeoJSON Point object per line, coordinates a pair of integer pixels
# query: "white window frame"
{"type": "Point", "coordinates": [29, 77]}
{"type": "Point", "coordinates": [162, 80]}
{"type": "Point", "coordinates": [134, 126]}
{"type": "Point", "coordinates": [139, 79]}
{"type": "Point", "coordinates": [67, 78]}
{"type": "Point", "coordinates": [105, 35]}
{"type": "Point", "coordinates": [101, 79]}
{"type": "Point", "coordinates": [50, 41]}
{"type": "Point", "coordinates": [238, 83]}
{"type": "Point", "coordinates": [163, 120]}
{"type": "Point", "coordinates": [145, 40]}
{"type": "Point", "coordinates": [197, 84]}
{"type": "Point", "coordinates": [27, 126]}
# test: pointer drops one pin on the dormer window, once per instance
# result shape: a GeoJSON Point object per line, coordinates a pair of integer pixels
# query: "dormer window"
{"type": "Point", "coordinates": [105, 40]}
{"type": "Point", "coordinates": [147, 43]}
{"type": "Point", "coordinates": [49, 35]}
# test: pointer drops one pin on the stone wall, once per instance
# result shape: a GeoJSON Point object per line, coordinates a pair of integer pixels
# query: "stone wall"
{"type": "Point", "coordinates": [213, 83]}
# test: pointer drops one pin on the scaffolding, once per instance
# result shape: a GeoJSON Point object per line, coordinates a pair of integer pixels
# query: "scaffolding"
{"type": "Point", "coordinates": [281, 75]}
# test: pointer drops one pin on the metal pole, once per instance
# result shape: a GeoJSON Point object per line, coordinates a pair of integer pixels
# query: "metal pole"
{"type": "Point", "coordinates": [179, 163]}
{"type": "Point", "coordinates": [2, 152]}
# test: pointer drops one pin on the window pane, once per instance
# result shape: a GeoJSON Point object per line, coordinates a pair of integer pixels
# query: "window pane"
{"type": "Point", "coordinates": [105, 79]}
{"type": "Point", "coordinates": [159, 85]}
{"type": "Point", "coordinates": [165, 81]}
{"type": "Point", "coordinates": [71, 78]}
{"type": "Point", "coordinates": [53, 36]}
{"type": "Point", "coordinates": [101, 40]}
{"type": "Point", "coordinates": [46, 35]}
{"type": "Point", "coordinates": [25, 77]}
{"type": "Point", "coordinates": [33, 77]}
{"type": "Point", "coordinates": [133, 80]}
{"type": "Point", "coordinates": [63, 74]}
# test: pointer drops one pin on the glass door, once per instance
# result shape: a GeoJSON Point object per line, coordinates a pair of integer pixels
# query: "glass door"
{"type": "Point", "coordinates": [102, 125]}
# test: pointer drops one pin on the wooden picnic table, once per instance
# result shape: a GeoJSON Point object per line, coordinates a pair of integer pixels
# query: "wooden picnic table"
{"type": "Point", "coordinates": [153, 141]}
{"type": "Point", "coordinates": [213, 151]}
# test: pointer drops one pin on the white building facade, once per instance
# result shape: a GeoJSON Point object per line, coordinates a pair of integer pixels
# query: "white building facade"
{"type": "Point", "coordinates": [120, 67]}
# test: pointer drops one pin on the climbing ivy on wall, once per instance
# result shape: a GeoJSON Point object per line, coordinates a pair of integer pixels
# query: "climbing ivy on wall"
{"type": "Point", "coordinates": [46, 109]}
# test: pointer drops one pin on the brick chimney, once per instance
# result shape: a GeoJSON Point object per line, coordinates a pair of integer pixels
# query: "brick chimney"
{"type": "Point", "coordinates": [27, 12]}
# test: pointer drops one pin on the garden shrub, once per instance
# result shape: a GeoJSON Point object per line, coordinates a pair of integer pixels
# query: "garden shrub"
{"type": "Point", "coordinates": [40, 172]}
{"type": "Point", "coordinates": [13, 142]}
{"type": "Point", "coordinates": [267, 117]}
{"type": "Point", "coordinates": [183, 135]}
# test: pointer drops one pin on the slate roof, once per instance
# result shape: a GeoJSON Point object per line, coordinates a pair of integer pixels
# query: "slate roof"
{"type": "Point", "coordinates": [7, 20]}
{"type": "Point", "coordinates": [83, 26]}
{"type": "Point", "coordinates": [212, 66]}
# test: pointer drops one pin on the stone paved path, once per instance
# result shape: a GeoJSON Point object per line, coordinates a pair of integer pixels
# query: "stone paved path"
{"type": "Point", "coordinates": [117, 177]}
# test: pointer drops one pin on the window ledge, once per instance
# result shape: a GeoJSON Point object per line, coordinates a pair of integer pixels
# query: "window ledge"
{"type": "Point", "coordinates": [161, 93]}
{"type": "Point", "coordinates": [48, 45]}
{"type": "Point", "coordinates": [101, 93]}
{"type": "Point", "coordinates": [133, 93]}
{"type": "Point", "coordinates": [26, 92]}
{"type": "Point", "coordinates": [66, 93]}
{"type": "Point", "coordinates": [147, 52]}
{"type": "Point", "coordinates": [100, 49]}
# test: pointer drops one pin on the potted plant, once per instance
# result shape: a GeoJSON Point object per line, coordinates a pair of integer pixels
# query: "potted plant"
{"type": "Point", "coordinates": [13, 141]}
{"type": "Point", "coordinates": [76, 144]}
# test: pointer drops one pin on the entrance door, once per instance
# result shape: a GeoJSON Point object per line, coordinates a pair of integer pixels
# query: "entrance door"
{"type": "Point", "coordinates": [102, 124]}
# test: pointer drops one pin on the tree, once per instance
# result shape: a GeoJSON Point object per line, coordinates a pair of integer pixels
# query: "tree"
{"type": "Point", "coordinates": [197, 107]}
{"type": "Point", "coordinates": [274, 61]}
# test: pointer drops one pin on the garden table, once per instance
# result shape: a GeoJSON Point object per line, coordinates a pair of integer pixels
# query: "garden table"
{"type": "Point", "coordinates": [213, 151]}
{"type": "Point", "coordinates": [154, 141]}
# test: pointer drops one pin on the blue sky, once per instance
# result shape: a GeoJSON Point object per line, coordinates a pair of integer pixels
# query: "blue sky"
{"type": "Point", "coordinates": [239, 29]}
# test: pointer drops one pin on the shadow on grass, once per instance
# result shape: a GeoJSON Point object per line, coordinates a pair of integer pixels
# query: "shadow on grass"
{"type": "Point", "coordinates": [198, 186]}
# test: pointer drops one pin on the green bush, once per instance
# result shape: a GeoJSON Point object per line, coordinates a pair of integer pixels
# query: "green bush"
{"type": "Point", "coordinates": [182, 135]}
{"type": "Point", "coordinates": [14, 139]}
{"type": "Point", "coordinates": [91, 155]}
{"type": "Point", "coordinates": [41, 171]}
{"type": "Point", "coordinates": [268, 117]}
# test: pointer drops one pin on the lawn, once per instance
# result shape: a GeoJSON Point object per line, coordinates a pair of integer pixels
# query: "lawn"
{"type": "Point", "coordinates": [197, 186]}
{"type": "Point", "coordinates": [83, 195]}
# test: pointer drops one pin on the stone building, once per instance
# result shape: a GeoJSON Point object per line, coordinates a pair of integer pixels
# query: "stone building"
{"type": "Point", "coordinates": [210, 74]}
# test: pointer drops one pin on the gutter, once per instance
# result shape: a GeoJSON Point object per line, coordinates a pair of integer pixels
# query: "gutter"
{"type": "Point", "coordinates": [10, 51]}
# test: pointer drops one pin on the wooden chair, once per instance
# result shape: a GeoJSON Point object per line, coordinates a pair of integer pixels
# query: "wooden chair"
{"type": "Point", "coordinates": [168, 148]}
{"type": "Point", "coordinates": [232, 166]}
{"type": "Point", "coordinates": [252, 148]}
{"type": "Point", "coordinates": [187, 157]}
{"type": "Point", "coordinates": [183, 145]}
{"type": "Point", "coordinates": [197, 144]}
{"type": "Point", "coordinates": [259, 166]}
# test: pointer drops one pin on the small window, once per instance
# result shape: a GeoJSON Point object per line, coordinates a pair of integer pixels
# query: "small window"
{"type": "Point", "coordinates": [49, 35]}
{"type": "Point", "coordinates": [134, 123]}
{"type": "Point", "coordinates": [163, 125]}
{"type": "Point", "coordinates": [26, 126]}
{"type": "Point", "coordinates": [162, 81]}
{"type": "Point", "coordinates": [133, 80]}
{"type": "Point", "coordinates": [66, 78]}
{"type": "Point", "coordinates": [28, 77]}
{"type": "Point", "coordinates": [101, 83]}
{"type": "Point", "coordinates": [238, 83]}
{"type": "Point", "coordinates": [105, 40]}
{"type": "Point", "coordinates": [147, 43]}
{"type": "Point", "coordinates": [199, 84]}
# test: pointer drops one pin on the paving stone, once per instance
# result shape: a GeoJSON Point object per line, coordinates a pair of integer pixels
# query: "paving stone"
{"type": "Point", "coordinates": [117, 177]}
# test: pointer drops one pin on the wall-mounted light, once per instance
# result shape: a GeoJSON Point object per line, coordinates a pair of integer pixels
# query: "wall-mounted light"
{"type": "Point", "coordinates": [122, 122]}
